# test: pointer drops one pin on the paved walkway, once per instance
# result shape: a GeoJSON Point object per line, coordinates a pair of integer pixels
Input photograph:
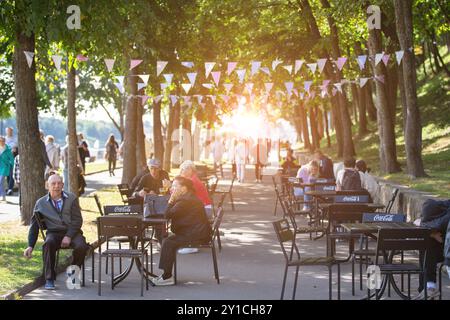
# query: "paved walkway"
{"type": "Point", "coordinates": [250, 264]}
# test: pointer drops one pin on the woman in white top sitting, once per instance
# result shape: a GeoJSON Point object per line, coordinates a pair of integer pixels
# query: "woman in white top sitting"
{"type": "Point", "coordinates": [368, 182]}
{"type": "Point", "coordinates": [308, 173]}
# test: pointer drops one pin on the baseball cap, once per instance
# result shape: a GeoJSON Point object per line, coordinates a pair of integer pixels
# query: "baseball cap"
{"type": "Point", "coordinates": [154, 163]}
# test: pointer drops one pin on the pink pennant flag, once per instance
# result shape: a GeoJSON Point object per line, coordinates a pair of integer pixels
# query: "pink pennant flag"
{"type": "Point", "coordinates": [80, 57]}
{"type": "Point", "coordinates": [266, 70]}
{"type": "Point", "coordinates": [208, 68]}
{"type": "Point", "coordinates": [228, 87]}
{"type": "Point", "coordinates": [307, 85]}
{"type": "Point", "coordinates": [312, 67]}
{"type": "Point", "coordinates": [325, 83]}
{"type": "Point", "coordinates": [199, 99]}
{"type": "Point", "coordinates": [231, 67]}
{"type": "Point", "coordinates": [225, 98]}
{"type": "Point", "coordinates": [208, 85]}
{"type": "Point", "coordinates": [362, 61]}
{"type": "Point", "coordinates": [249, 87]}
{"type": "Point", "coordinates": [192, 76]}
{"type": "Point", "coordinates": [380, 78]}
{"type": "Point", "coordinates": [269, 86]}
{"type": "Point", "coordinates": [160, 66]}
{"type": "Point", "coordinates": [334, 91]}
{"type": "Point", "coordinates": [298, 65]}
{"type": "Point", "coordinates": [295, 91]}
{"type": "Point", "coordinates": [340, 62]}
{"type": "Point", "coordinates": [144, 99]}
{"type": "Point", "coordinates": [57, 61]}
{"type": "Point", "coordinates": [186, 87]}
{"type": "Point", "coordinates": [164, 86]}
{"type": "Point", "coordinates": [385, 59]}
{"type": "Point", "coordinates": [241, 75]}
{"type": "Point", "coordinates": [173, 99]}
{"type": "Point", "coordinates": [109, 64]}
{"type": "Point", "coordinates": [134, 63]}
{"type": "Point", "coordinates": [399, 56]}
{"type": "Point", "coordinates": [216, 77]}
{"type": "Point", "coordinates": [289, 86]}
{"type": "Point", "coordinates": [157, 99]}
{"type": "Point", "coordinates": [255, 67]}
{"type": "Point", "coordinates": [321, 64]}
{"type": "Point", "coordinates": [187, 99]}
{"type": "Point", "coordinates": [29, 56]}
{"type": "Point", "coordinates": [323, 93]}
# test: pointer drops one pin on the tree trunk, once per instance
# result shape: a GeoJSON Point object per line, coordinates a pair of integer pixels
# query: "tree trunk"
{"type": "Point", "coordinates": [391, 83]}
{"type": "Point", "coordinates": [413, 132]}
{"type": "Point", "coordinates": [388, 152]}
{"type": "Point", "coordinates": [401, 86]}
{"type": "Point", "coordinates": [168, 148]}
{"type": "Point", "coordinates": [175, 159]}
{"type": "Point", "coordinates": [327, 131]}
{"type": "Point", "coordinates": [314, 131]}
{"type": "Point", "coordinates": [337, 126]}
{"type": "Point", "coordinates": [31, 162]}
{"type": "Point", "coordinates": [157, 131]}
{"type": "Point", "coordinates": [319, 119]}
{"type": "Point", "coordinates": [130, 142]}
{"type": "Point", "coordinates": [362, 119]}
{"type": "Point", "coordinates": [371, 109]}
{"type": "Point", "coordinates": [72, 131]}
{"type": "Point", "coordinates": [297, 123]}
{"type": "Point", "coordinates": [302, 113]}
{"type": "Point", "coordinates": [140, 136]}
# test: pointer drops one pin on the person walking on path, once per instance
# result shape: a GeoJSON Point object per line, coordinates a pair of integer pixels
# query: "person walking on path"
{"type": "Point", "coordinates": [241, 159]}
{"type": "Point", "coordinates": [6, 165]}
{"type": "Point", "coordinates": [65, 160]}
{"type": "Point", "coordinates": [111, 154]}
{"type": "Point", "coordinates": [53, 152]}
{"type": "Point", "coordinates": [83, 150]}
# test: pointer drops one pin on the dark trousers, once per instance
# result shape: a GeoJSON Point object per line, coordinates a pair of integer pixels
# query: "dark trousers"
{"type": "Point", "coordinates": [53, 243]}
{"type": "Point", "coordinates": [434, 256]}
{"type": "Point", "coordinates": [10, 179]}
{"type": "Point", "coordinates": [112, 164]}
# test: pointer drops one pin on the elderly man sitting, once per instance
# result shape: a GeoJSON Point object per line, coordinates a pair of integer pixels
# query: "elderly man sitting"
{"type": "Point", "coordinates": [61, 214]}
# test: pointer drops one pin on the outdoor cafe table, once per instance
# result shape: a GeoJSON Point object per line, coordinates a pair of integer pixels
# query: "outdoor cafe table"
{"type": "Point", "coordinates": [372, 228]}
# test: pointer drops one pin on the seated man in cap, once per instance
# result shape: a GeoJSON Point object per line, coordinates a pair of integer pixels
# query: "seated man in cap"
{"type": "Point", "coordinates": [60, 213]}
{"type": "Point", "coordinates": [152, 182]}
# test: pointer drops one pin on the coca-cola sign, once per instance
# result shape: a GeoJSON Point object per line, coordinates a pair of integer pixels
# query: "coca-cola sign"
{"type": "Point", "coordinates": [383, 217]}
{"type": "Point", "coordinates": [122, 209]}
{"type": "Point", "coordinates": [350, 199]}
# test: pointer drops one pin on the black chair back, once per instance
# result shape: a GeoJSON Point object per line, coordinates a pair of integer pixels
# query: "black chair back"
{"type": "Point", "coordinates": [121, 209]}
{"type": "Point", "coordinates": [120, 226]}
{"type": "Point", "coordinates": [41, 224]}
{"type": "Point", "coordinates": [99, 206]}
{"type": "Point", "coordinates": [392, 200]}
{"type": "Point", "coordinates": [383, 217]}
{"type": "Point", "coordinates": [286, 238]}
{"type": "Point", "coordinates": [217, 222]}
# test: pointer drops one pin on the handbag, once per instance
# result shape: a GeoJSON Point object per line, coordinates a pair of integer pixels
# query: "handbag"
{"type": "Point", "coordinates": [155, 205]}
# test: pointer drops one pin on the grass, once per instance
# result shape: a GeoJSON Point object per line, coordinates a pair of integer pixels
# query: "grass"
{"type": "Point", "coordinates": [15, 270]}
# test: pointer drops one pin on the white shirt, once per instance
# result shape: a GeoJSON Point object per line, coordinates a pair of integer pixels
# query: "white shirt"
{"type": "Point", "coordinates": [11, 141]}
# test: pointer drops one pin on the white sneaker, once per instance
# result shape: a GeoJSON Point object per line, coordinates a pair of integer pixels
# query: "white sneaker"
{"type": "Point", "coordinates": [164, 282]}
{"type": "Point", "coordinates": [187, 250]}
{"type": "Point", "coordinates": [432, 294]}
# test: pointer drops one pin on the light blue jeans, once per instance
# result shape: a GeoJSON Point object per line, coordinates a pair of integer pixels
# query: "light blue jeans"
{"type": "Point", "coordinates": [2, 186]}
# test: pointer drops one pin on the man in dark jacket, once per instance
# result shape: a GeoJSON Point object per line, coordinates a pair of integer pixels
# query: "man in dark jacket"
{"type": "Point", "coordinates": [325, 165]}
{"type": "Point", "coordinates": [188, 223]}
{"type": "Point", "coordinates": [60, 213]}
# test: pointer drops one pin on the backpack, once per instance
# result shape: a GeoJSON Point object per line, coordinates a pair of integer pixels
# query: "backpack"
{"type": "Point", "coordinates": [351, 180]}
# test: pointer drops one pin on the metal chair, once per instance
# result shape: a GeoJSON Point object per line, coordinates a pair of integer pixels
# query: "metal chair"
{"type": "Point", "coordinates": [228, 192]}
{"type": "Point", "coordinates": [288, 245]}
{"type": "Point", "coordinates": [125, 192]}
{"type": "Point", "coordinates": [121, 226]}
{"type": "Point", "coordinates": [390, 203]}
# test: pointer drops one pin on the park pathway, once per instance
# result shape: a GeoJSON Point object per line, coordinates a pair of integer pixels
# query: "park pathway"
{"type": "Point", "coordinates": [250, 264]}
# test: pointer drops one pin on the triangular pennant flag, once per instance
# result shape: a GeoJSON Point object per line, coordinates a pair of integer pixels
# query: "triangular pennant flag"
{"type": "Point", "coordinates": [312, 67]}
{"type": "Point", "coordinates": [160, 66]}
{"type": "Point", "coordinates": [307, 85]}
{"type": "Point", "coordinates": [192, 76]}
{"type": "Point", "coordinates": [249, 87]}
{"type": "Point", "coordinates": [186, 87]}
{"type": "Point", "coordinates": [334, 91]}
{"type": "Point", "coordinates": [208, 85]}
{"type": "Point", "coordinates": [231, 67]}
{"type": "Point", "coordinates": [302, 95]}
{"type": "Point", "coordinates": [187, 99]}
{"type": "Point", "coordinates": [323, 93]}
{"type": "Point", "coordinates": [255, 67]}
{"type": "Point", "coordinates": [266, 70]}
{"type": "Point", "coordinates": [289, 86]}
{"type": "Point", "coordinates": [225, 98]}
{"type": "Point", "coordinates": [378, 58]}
{"type": "Point", "coordinates": [208, 68]}
{"type": "Point", "coordinates": [199, 99]}
{"type": "Point", "coordinates": [312, 94]}
{"type": "Point", "coordinates": [168, 77]}
{"type": "Point", "coordinates": [141, 85]}
{"type": "Point", "coordinates": [295, 91]}
{"type": "Point", "coordinates": [109, 64]}
{"type": "Point", "coordinates": [157, 99]}
{"type": "Point", "coordinates": [325, 83]}
{"type": "Point", "coordinates": [340, 62]}
{"type": "Point", "coordinates": [119, 86]}
{"type": "Point", "coordinates": [216, 77]}
{"type": "Point", "coordinates": [213, 99]}
{"type": "Point", "coordinates": [144, 99]}
{"type": "Point", "coordinates": [298, 65]}
{"type": "Point", "coordinates": [288, 68]}
{"type": "Point", "coordinates": [338, 87]}
{"type": "Point", "coordinates": [164, 86]}
{"type": "Point", "coordinates": [380, 78]}
{"type": "Point", "coordinates": [269, 86]}
{"type": "Point", "coordinates": [29, 56]}
{"type": "Point", "coordinates": [362, 61]}
{"type": "Point", "coordinates": [362, 82]}
{"type": "Point", "coordinates": [120, 78]}
{"type": "Point", "coordinates": [57, 61]}
{"type": "Point", "coordinates": [80, 57]}
{"type": "Point", "coordinates": [399, 56]}
{"type": "Point", "coordinates": [385, 59]}
{"type": "Point", "coordinates": [228, 87]}
{"type": "Point", "coordinates": [134, 63]}
{"type": "Point", "coordinates": [187, 64]}
{"type": "Point", "coordinates": [276, 63]}
{"type": "Point", "coordinates": [241, 75]}
{"type": "Point", "coordinates": [144, 78]}
{"type": "Point", "coordinates": [321, 64]}
{"type": "Point", "coordinates": [173, 99]}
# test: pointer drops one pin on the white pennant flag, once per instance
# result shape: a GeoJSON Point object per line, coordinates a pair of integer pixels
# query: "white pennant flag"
{"type": "Point", "coordinates": [340, 62]}
{"type": "Point", "coordinates": [164, 86]}
{"type": "Point", "coordinates": [208, 85]}
{"type": "Point", "coordinates": [399, 56]}
{"type": "Point", "coordinates": [120, 87]}
{"type": "Point", "coordinates": [208, 68]}
{"type": "Point", "coordinates": [378, 58]}
{"type": "Point", "coordinates": [121, 79]}
{"type": "Point", "coordinates": [231, 67]}
{"type": "Point", "coordinates": [289, 86]}
{"type": "Point", "coordinates": [325, 84]}
{"type": "Point", "coordinates": [321, 64]}
{"type": "Point", "coordinates": [57, 61]}
{"type": "Point", "coordinates": [276, 63]}
{"type": "Point", "coordinates": [29, 56]}
{"type": "Point", "coordinates": [312, 67]}
{"type": "Point", "coordinates": [269, 86]}
{"type": "Point", "coordinates": [168, 77]}
{"type": "Point", "coordinates": [109, 64]}
{"type": "Point", "coordinates": [157, 99]}
{"type": "Point", "coordinates": [362, 82]}
{"type": "Point", "coordinates": [266, 70]}
{"type": "Point", "coordinates": [173, 99]}
{"type": "Point", "coordinates": [192, 76]}
{"type": "Point", "coordinates": [144, 78]}
{"type": "Point", "coordinates": [288, 68]}
{"type": "Point", "coordinates": [307, 85]}
{"type": "Point", "coordinates": [228, 87]}
{"type": "Point", "coordinates": [186, 87]}
{"type": "Point", "coordinates": [298, 65]}
{"type": "Point", "coordinates": [362, 61]}
{"type": "Point", "coordinates": [141, 85]}
{"type": "Point", "coordinates": [241, 75]}
{"type": "Point", "coordinates": [187, 64]}
{"type": "Point", "coordinates": [249, 87]}
{"type": "Point", "coordinates": [323, 93]}
{"type": "Point", "coordinates": [255, 67]}
{"type": "Point", "coordinates": [216, 77]}
{"type": "Point", "coordinates": [338, 87]}
{"type": "Point", "coordinates": [160, 66]}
